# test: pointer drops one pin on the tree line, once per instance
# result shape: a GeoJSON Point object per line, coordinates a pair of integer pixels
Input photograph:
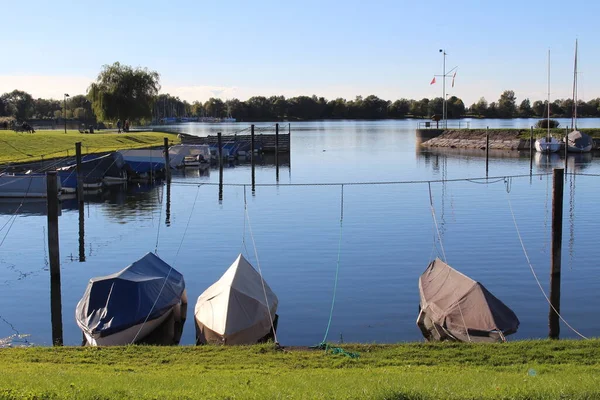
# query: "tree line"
{"type": "Point", "coordinates": [123, 92]}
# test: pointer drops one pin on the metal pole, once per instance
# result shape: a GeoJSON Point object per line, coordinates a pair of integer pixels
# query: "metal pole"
{"type": "Point", "coordinates": [53, 253]}
{"type": "Point", "coordinates": [167, 161]}
{"type": "Point", "coordinates": [65, 103]}
{"type": "Point", "coordinates": [168, 207]}
{"type": "Point", "coordinates": [555, 260]}
{"type": "Point", "coordinates": [444, 93]}
{"type": "Point", "coordinates": [220, 145]}
{"type": "Point", "coordinates": [79, 174]}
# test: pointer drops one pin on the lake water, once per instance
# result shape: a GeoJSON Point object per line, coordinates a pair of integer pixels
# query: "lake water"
{"type": "Point", "coordinates": [387, 242]}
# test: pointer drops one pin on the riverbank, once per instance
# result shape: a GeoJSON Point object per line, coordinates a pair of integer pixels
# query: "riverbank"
{"type": "Point", "coordinates": [539, 369]}
{"type": "Point", "coordinates": [48, 144]}
{"type": "Point", "coordinates": [499, 139]}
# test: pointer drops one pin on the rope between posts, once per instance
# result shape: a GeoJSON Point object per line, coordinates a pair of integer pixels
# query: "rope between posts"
{"type": "Point", "coordinates": [533, 270]}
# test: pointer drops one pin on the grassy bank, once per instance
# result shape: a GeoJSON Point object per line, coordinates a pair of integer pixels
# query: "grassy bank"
{"type": "Point", "coordinates": [518, 370]}
{"type": "Point", "coordinates": [26, 147]}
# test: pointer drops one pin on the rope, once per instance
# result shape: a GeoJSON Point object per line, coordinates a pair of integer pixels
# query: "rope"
{"type": "Point", "coordinates": [170, 269]}
{"type": "Point", "coordinates": [259, 269]}
{"type": "Point", "coordinates": [533, 270]}
{"type": "Point", "coordinates": [13, 217]}
{"type": "Point", "coordinates": [494, 179]}
{"type": "Point", "coordinates": [158, 230]}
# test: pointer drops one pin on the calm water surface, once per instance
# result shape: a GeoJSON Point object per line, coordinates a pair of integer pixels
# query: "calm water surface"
{"type": "Point", "coordinates": [388, 234]}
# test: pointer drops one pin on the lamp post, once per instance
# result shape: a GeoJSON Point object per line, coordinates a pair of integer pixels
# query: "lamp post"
{"type": "Point", "coordinates": [65, 116]}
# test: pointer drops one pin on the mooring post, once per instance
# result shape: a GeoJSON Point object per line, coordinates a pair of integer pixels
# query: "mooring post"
{"type": "Point", "coordinates": [556, 250]}
{"type": "Point", "coordinates": [487, 150]}
{"type": "Point", "coordinates": [531, 151]}
{"type": "Point", "coordinates": [167, 161]}
{"type": "Point", "coordinates": [220, 155]}
{"type": "Point", "coordinates": [566, 148]}
{"type": "Point", "coordinates": [290, 149]}
{"type": "Point", "coordinates": [79, 174]}
{"type": "Point", "coordinates": [54, 256]}
{"type": "Point", "coordinates": [277, 152]}
{"type": "Point", "coordinates": [252, 156]}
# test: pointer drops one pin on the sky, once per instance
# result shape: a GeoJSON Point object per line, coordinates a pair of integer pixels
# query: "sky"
{"type": "Point", "coordinates": [239, 49]}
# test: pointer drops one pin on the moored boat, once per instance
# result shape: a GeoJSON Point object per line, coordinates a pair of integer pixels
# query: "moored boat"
{"type": "Point", "coordinates": [547, 144]}
{"type": "Point", "coordinates": [455, 307]}
{"type": "Point", "coordinates": [127, 306]}
{"type": "Point", "coordinates": [25, 185]}
{"type": "Point", "coordinates": [108, 169]}
{"type": "Point", "coordinates": [189, 155]}
{"type": "Point", "coordinates": [240, 308]}
{"type": "Point", "coordinates": [144, 161]}
{"type": "Point", "coordinates": [576, 141]}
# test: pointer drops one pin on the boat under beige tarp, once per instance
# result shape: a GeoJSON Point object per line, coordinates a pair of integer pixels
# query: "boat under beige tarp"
{"type": "Point", "coordinates": [235, 310]}
{"type": "Point", "coordinates": [455, 307]}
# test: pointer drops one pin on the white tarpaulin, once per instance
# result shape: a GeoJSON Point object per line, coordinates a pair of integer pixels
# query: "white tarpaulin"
{"type": "Point", "coordinates": [234, 309]}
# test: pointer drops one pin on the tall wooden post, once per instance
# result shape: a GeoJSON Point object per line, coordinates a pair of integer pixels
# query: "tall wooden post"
{"type": "Point", "coordinates": [290, 149]}
{"type": "Point", "coordinates": [566, 148]}
{"type": "Point", "coordinates": [252, 156]}
{"type": "Point", "coordinates": [531, 151]}
{"type": "Point", "coordinates": [277, 152]}
{"type": "Point", "coordinates": [487, 150]}
{"type": "Point", "coordinates": [79, 174]}
{"type": "Point", "coordinates": [167, 161]}
{"type": "Point", "coordinates": [220, 155]}
{"type": "Point", "coordinates": [53, 246]}
{"type": "Point", "coordinates": [556, 250]}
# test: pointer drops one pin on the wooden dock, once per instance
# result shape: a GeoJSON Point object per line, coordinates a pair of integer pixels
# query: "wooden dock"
{"type": "Point", "coordinates": [264, 141]}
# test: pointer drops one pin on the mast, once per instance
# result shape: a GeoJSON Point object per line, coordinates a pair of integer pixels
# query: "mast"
{"type": "Point", "coordinates": [548, 120]}
{"type": "Point", "coordinates": [574, 116]}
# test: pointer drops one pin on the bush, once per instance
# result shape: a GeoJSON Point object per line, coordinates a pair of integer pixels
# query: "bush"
{"type": "Point", "coordinates": [543, 123]}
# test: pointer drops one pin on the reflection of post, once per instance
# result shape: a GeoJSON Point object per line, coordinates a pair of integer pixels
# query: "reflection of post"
{"type": "Point", "coordinates": [167, 162]}
{"type": "Point", "coordinates": [168, 210]}
{"type": "Point", "coordinates": [79, 174]}
{"type": "Point", "coordinates": [55, 295]}
{"type": "Point", "coordinates": [566, 148]}
{"type": "Point", "coordinates": [81, 233]}
{"type": "Point", "coordinates": [220, 155]}
{"type": "Point", "coordinates": [277, 152]}
{"type": "Point", "coordinates": [252, 158]}
{"type": "Point", "coordinates": [290, 148]}
{"type": "Point", "coordinates": [487, 150]}
{"type": "Point", "coordinates": [557, 217]}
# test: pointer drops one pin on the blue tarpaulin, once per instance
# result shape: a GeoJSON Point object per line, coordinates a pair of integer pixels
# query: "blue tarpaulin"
{"type": "Point", "coordinates": [116, 302]}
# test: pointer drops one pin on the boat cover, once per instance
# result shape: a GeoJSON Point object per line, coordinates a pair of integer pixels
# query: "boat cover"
{"type": "Point", "coordinates": [455, 307]}
{"type": "Point", "coordinates": [25, 185]}
{"type": "Point", "coordinates": [116, 302]}
{"type": "Point", "coordinates": [93, 169]}
{"type": "Point", "coordinates": [579, 140]}
{"type": "Point", "coordinates": [144, 161]}
{"type": "Point", "coordinates": [234, 307]}
{"type": "Point", "coordinates": [178, 153]}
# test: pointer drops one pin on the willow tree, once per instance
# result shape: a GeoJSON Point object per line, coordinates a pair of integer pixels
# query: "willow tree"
{"type": "Point", "coordinates": [122, 92]}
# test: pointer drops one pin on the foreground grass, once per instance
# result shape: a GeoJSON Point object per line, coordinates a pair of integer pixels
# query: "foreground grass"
{"type": "Point", "coordinates": [518, 370]}
{"type": "Point", "coordinates": [26, 147]}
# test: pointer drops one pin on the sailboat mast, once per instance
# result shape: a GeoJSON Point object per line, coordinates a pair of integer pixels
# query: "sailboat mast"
{"type": "Point", "coordinates": [548, 120]}
{"type": "Point", "coordinates": [574, 117]}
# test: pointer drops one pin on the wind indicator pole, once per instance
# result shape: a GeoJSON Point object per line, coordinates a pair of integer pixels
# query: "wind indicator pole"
{"type": "Point", "coordinates": [444, 76]}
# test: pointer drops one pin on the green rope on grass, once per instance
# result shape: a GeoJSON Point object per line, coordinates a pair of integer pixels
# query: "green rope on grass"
{"type": "Point", "coordinates": [335, 350]}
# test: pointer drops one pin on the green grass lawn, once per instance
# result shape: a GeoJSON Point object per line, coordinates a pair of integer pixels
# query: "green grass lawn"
{"type": "Point", "coordinates": [517, 370]}
{"type": "Point", "coordinates": [25, 147]}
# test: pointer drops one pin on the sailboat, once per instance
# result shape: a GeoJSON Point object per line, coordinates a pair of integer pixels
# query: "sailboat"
{"type": "Point", "coordinates": [547, 144]}
{"type": "Point", "coordinates": [577, 142]}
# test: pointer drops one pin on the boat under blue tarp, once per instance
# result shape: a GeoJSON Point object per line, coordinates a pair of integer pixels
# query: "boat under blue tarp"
{"type": "Point", "coordinates": [144, 161]}
{"type": "Point", "coordinates": [95, 170]}
{"type": "Point", "coordinates": [141, 293]}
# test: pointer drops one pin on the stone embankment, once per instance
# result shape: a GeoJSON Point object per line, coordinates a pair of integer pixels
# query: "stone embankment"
{"type": "Point", "coordinates": [476, 139]}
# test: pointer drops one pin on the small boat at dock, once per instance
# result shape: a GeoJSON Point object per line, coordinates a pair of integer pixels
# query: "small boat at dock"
{"type": "Point", "coordinates": [576, 141]}
{"type": "Point", "coordinates": [25, 185]}
{"type": "Point", "coordinates": [547, 144]}
{"type": "Point", "coordinates": [454, 307]}
{"type": "Point", "coordinates": [144, 161]}
{"type": "Point", "coordinates": [237, 309]}
{"type": "Point", "coordinates": [189, 155]}
{"type": "Point", "coordinates": [109, 169]}
{"type": "Point", "coordinates": [125, 307]}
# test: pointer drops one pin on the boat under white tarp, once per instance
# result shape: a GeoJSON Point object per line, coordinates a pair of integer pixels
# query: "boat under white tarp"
{"type": "Point", "coordinates": [127, 306]}
{"type": "Point", "coordinates": [200, 153]}
{"type": "Point", "coordinates": [24, 185]}
{"type": "Point", "coordinates": [234, 310]}
{"type": "Point", "coordinates": [455, 307]}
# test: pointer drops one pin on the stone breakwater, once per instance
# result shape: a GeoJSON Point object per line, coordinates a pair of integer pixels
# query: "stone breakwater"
{"type": "Point", "coordinates": [475, 139]}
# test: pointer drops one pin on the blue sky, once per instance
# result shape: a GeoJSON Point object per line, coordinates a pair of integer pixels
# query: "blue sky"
{"type": "Point", "coordinates": [328, 48]}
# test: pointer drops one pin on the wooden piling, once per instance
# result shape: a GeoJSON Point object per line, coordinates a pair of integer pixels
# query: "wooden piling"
{"type": "Point", "coordinates": [220, 155]}
{"type": "Point", "coordinates": [277, 152]}
{"type": "Point", "coordinates": [531, 151]}
{"type": "Point", "coordinates": [556, 252]}
{"type": "Point", "coordinates": [79, 174]}
{"type": "Point", "coordinates": [487, 150]}
{"type": "Point", "coordinates": [566, 148]}
{"type": "Point", "coordinates": [167, 161]}
{"type": "Point", "coordinates": [54, 256]}
{"type": "Point", "coordinates": [252, 157]}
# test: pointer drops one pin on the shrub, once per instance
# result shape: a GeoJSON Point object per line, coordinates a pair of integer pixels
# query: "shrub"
{"type": "Point", "coordinates": [543, 123]}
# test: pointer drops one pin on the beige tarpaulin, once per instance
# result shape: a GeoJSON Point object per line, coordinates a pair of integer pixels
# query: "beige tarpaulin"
{"type": "Point", "coordinates": [455, 307]}
{"type": "Point", "coordinates": [234, 309]}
